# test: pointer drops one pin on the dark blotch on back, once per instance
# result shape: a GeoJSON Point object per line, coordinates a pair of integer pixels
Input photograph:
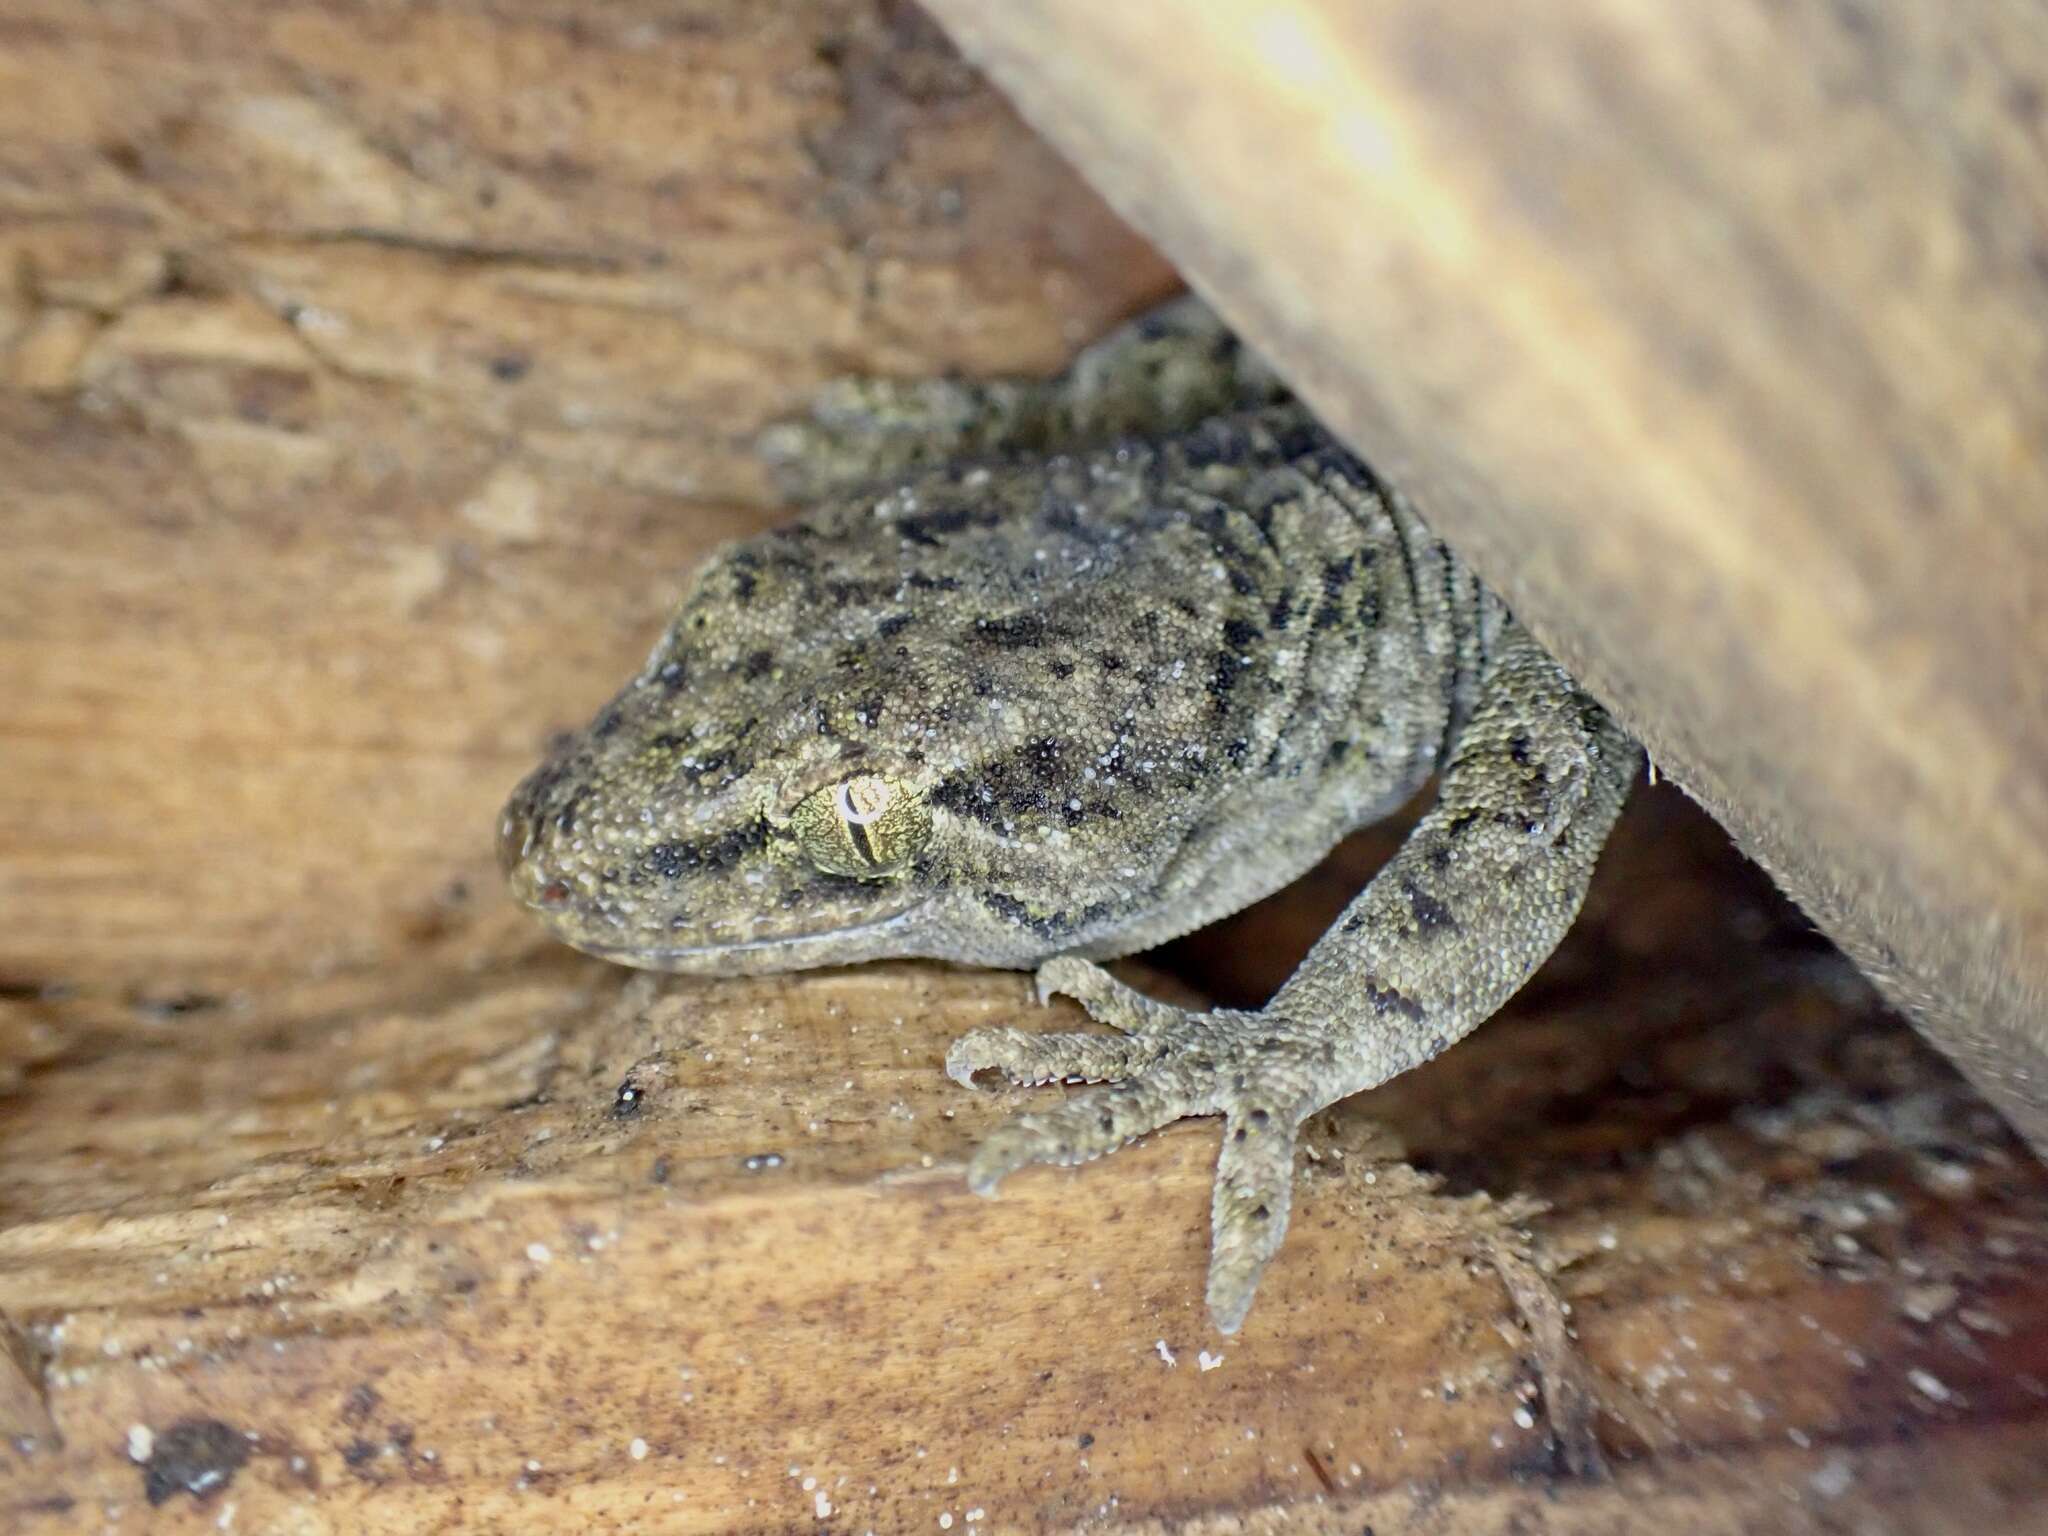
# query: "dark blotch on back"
{"type": "Point", "coordinates": [1043, 759]}
{"type": "Point", "coordinates": [1302, 438]}
{"type": "Point", "coordinates": [932, 528]}
{"type": "Point", "coordinates": [963, 798]}
{"type": "Point", "coordinates": [1228, 667]}
{"type": "Point", "coordinates": [1215, 441]}
{"type": "Point", "coordinates": [1017, 631]}
{"type": "Point", "coordinates": [1053, 925]}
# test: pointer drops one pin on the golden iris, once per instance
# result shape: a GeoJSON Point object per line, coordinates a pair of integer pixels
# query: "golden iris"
{"type": "Point", "coordinates": [868, 827]}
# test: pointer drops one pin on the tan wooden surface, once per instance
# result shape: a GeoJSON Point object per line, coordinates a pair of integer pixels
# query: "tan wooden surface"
{"type": "Point", "coordinates": [1714, 335]}
{"type": "Point", "coordinates": [393, 1235]}
{"type": "Point", "coordinates": [369, 376]}
{"type": "Point", "coordinates": [368, 379]}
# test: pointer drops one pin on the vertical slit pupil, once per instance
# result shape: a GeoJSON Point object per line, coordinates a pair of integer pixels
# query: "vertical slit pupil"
{"type": "Point", "coordinates": [857, 833]}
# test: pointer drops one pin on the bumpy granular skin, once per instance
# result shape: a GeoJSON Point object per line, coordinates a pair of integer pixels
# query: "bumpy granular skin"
{"type": "Point", "coordinates": [1108, 658]}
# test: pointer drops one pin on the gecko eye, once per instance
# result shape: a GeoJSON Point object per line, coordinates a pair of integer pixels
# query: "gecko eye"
{"type": "Point", "coordinates": [868, 827]}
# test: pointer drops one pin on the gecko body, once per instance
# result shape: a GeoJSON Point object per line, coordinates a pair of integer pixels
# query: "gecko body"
{"type": "Point", "coordinates": [1054, 672]}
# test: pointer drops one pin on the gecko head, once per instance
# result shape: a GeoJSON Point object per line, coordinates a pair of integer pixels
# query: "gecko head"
{"type": "Point", "coordinates": [852, 743]}
{"type": "Point", "coordinates": [677, 855]}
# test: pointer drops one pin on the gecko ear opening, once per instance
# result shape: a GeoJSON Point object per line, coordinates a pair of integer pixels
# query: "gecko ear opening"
{"type": "Point", "coordinates": [869, 827]}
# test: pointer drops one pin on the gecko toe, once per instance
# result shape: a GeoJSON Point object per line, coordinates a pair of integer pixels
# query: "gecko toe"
{"type": "Point", "coordinates": [1078, 1131]}
{"type": "Point", "coordinates": [1028, 1059]}
{"type": "Point", "coordinates": [1106, 999]}
{"type": "Point", "coordinates": [1253, 1193]}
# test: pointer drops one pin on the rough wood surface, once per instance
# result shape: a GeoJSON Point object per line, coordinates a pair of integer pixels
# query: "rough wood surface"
{"type": "Point", "coordinates": [368, 378]}
{"type": "Point", "coordinates": [369, 375]}
{"type": "Point", "coordinates": [1714, 336]}
{"type": "Point", "coordinates": [399, 1253]}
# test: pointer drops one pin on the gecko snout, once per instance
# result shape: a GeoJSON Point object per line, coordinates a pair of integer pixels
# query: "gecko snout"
{"type": "Point", "coordinates": [515, 838]}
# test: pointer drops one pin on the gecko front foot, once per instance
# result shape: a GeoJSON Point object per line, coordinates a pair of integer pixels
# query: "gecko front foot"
{"type": "Point", "coordinates": [1261, 1074]}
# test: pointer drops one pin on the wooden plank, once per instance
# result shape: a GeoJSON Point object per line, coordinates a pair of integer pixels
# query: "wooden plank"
{"type": "Point", "coordinates": [399, 1238]}
{"type": "Point", "coordinates": [1713, 335]}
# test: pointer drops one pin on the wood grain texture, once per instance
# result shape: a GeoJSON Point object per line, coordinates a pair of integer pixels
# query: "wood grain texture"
{"type": "Point", "coordinates": [368, 380]}
{"type": "Point", "coordinates": [404, 1243]}
{"type": "Point", "coordinates": [1715, 337]}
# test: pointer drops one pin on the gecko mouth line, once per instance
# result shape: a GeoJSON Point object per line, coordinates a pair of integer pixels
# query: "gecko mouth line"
{"type": "Point", "coordinates": [660, 957]}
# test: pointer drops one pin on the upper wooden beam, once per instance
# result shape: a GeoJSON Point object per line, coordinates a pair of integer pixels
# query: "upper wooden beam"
{"type": "Point", "coordinates": [1716, 337]}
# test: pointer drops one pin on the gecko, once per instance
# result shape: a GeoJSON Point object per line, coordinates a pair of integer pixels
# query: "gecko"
{"type": "Point", "coordinates": [1054, 671]}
